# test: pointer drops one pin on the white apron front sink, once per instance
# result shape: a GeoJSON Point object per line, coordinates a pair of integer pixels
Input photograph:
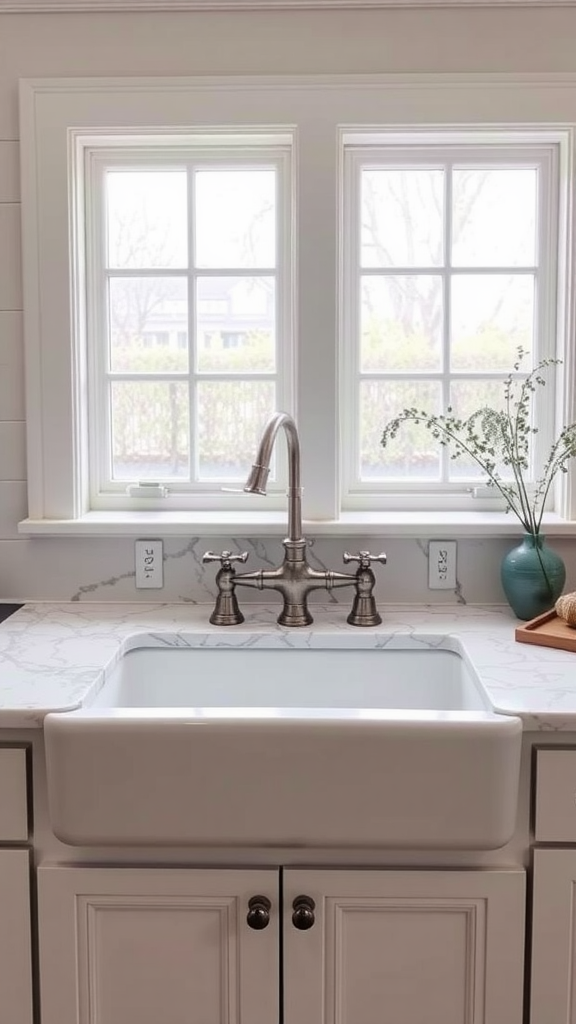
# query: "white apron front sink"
{"type": "Point", "coordinates": [268, 745]}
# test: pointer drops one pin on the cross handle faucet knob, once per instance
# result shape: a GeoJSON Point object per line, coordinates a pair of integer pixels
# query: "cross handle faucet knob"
{"type": "Point", "coordinates": [364, 611]}
{"type": "Point", "coordinates": [225, 558]}
{"type": "Point", "coordinates": [364, 558]}
{"type": "Point", "coordinates": [226, 612]}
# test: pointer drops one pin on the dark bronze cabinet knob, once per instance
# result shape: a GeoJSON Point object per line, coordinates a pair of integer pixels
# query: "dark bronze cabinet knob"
{"type": "Point", "coordinates": [303, 913]}
{"type": "Point", "coordinates": [258, 916]}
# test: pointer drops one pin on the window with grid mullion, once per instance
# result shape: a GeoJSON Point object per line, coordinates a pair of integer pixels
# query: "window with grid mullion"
{"type": "Point", "coordinates": [447, 274]}
{"type": "Point", "coordinates": [192, 368]}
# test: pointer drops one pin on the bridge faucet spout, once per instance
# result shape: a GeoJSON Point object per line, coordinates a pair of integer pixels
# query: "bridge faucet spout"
{"type": "Point", "coordinates": [258, 477]}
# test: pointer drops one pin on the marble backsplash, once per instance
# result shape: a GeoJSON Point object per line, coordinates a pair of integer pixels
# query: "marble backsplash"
{"type": "Point", "coordinates": [66, 569]}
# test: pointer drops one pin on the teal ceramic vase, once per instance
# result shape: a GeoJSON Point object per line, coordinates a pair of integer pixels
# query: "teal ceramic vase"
{"type": "Point", "coordinates": [533, 577]}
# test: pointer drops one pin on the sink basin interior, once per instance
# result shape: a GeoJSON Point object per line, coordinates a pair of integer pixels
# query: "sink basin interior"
{"type": "Point", "coordinates": [208, 679]}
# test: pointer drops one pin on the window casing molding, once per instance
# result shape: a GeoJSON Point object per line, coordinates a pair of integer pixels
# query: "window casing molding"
{"type": "Point", "coordinates": [320, 108]}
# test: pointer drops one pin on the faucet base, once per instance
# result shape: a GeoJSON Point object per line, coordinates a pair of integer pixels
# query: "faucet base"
{"type": "Point", "coordinates": [294, 615]}
{"type": "Point", "coordinates": [364, 612]}
{"type": "Point", "coordinates": [227, 612]}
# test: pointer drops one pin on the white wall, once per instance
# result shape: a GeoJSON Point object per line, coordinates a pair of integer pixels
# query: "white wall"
{"type": "Point", "coordinates": [512, 39]}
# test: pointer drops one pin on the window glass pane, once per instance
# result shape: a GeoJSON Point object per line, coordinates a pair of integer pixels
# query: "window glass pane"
{"type": "Point", "coordinates": [148, 324]}
{"type": "Point", "coordinates": [413, 454]}
{"type": "Point", "coordinates": [235, 218]}
{"type": "Point", "coordinates": [492, 314]}
{"type": "Point", "coordinates": [146, 219]}
{"type": "Point", "coordinates": [230, 419]}
{"type": "Point", "coordinates": [466, 397]}
{"type": "Point", "coordinates": [401, 323]}
{"type": "Point", "coordinates": [150, 432]}
{"type": "Point", "coordinates": [235, 324]}
{"type": "Point", "coordinates": [494, 217]}
{"type": "Point", "coordinates": [401, 213]}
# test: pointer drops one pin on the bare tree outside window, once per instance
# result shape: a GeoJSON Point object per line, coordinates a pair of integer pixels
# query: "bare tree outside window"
{"type": "Point", "coordinates": [164, 377]}
{"type": "Point", "coordinates": [447, 281]}
{"type": "Point", "coordinates": [447, 278]}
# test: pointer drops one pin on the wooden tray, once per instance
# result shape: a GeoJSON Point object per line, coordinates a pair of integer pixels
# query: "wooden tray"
{"type": "Point", "coordinates": [547, 630]}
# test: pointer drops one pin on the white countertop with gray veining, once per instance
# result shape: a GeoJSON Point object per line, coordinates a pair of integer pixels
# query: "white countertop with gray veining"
{"type": "Point", "coordinates": [55, 656]}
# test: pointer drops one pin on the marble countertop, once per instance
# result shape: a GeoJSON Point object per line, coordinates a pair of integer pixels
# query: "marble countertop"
{"type": "Point", "coordinates": [54, 657]}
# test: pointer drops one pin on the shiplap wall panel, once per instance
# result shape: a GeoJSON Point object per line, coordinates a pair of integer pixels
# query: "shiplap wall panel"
{"type": "Point", "coordinates": [9, 172]}
{"type": "Point", "coordinates": [13, 507]}
{"type": "Point", "coordinates": [11, 366]}
{"type": "Point", "coordinates": [10, 257]}
{"type": "Point", "coordinates": [12, 450]}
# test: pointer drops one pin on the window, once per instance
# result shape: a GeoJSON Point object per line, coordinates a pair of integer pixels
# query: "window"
{"type": "Point", "coordinates": [448, 272]}
{"type": "Point", "coordinates": [338, 248]}
{"type": "Point", "coordinates": [185, 243]}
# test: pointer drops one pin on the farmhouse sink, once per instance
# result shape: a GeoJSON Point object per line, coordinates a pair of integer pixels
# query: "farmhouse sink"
{"type": "Point", "coordinates": [292, 682]}
{"type": "Point", "coordinates": [223, 743]}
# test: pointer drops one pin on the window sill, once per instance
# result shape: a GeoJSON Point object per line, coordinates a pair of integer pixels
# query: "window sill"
{"type": "Point", "coordinates": [267, 524]}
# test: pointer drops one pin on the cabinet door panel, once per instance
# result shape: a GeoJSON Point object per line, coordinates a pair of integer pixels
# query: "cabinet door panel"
{"type": "Point", "coordinates": [139, 946]}
{"type": "Point", "coordinates": [553, 975]}
{"type": "Point", "coordinates": [15, 950]}
{"type": "Point", "coordinates": [399, 947]}
{"type": "Point", "coordinates": [13, 795]}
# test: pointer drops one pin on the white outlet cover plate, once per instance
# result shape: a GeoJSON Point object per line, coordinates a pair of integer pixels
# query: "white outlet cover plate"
{"type": "Point", "coordinates": [442, 565]}
{"type": "Point", "coordinates": [148, 555]}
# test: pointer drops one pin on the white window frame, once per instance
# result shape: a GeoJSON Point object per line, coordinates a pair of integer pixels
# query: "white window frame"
{"type": "Point", "coordinates": [514, 147]}
{"type": "Point", "coordinates": [317, 109]}
{"type": "Point", "coordinates": [200, 148]}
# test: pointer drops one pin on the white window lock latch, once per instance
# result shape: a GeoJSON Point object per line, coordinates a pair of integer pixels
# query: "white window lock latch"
{"type": "Point", "coordinates": [147, 489]}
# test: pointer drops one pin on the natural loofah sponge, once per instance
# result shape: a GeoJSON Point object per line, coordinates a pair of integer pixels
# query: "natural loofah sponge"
{"type": "Point", "coordinates": [566, 608]}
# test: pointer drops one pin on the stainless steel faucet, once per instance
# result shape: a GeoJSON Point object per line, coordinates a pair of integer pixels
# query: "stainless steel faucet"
{"type": "Point", "coordinates": [294, 578]}
{"type": "Point", "coordinates": [258, 478]}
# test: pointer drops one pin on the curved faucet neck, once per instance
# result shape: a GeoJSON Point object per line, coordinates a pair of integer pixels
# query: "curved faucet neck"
{"type": "Point", "coordinates": [259, 474]}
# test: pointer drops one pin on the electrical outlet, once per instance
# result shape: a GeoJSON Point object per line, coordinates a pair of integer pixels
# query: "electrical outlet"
{"type": "Point", "coordinates": [442, 564]}
{"type": "Point", "coordinates": [148, 556]}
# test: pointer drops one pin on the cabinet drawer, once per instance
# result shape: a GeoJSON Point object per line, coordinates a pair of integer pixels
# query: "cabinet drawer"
{"type": "Point", "coordinates": [13, 795]}
{"type": "Point", "coordinates": [555, 819]}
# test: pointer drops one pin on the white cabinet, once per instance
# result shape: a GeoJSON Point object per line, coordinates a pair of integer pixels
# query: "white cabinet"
{"type": "Point", "coordinates": [13, 795]}
{"type": "Point", "coordinates": [555, 801]}
{"type": "Point", "coordinates": [139, 946]}
{"type": "Point", "coordinates": [15, 922]}
{"type": "Point", "coordinates": [156, 946]}
{"type": "Point", "coordinates": [15, 953]}
{"type": "Point", "coordinates": [553, 984]}
{"type": "Point", "coordinates": [553, 970]}
{"type": "Point", "coordinates": [404, 947]}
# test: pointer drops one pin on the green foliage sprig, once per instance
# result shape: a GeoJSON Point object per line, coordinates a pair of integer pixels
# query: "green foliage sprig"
{"type": "Point", "coordinates": [493, 437]}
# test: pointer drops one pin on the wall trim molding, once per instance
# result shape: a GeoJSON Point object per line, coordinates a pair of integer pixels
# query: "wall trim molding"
{"type": "Point", "coordinates": [161, 6]}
